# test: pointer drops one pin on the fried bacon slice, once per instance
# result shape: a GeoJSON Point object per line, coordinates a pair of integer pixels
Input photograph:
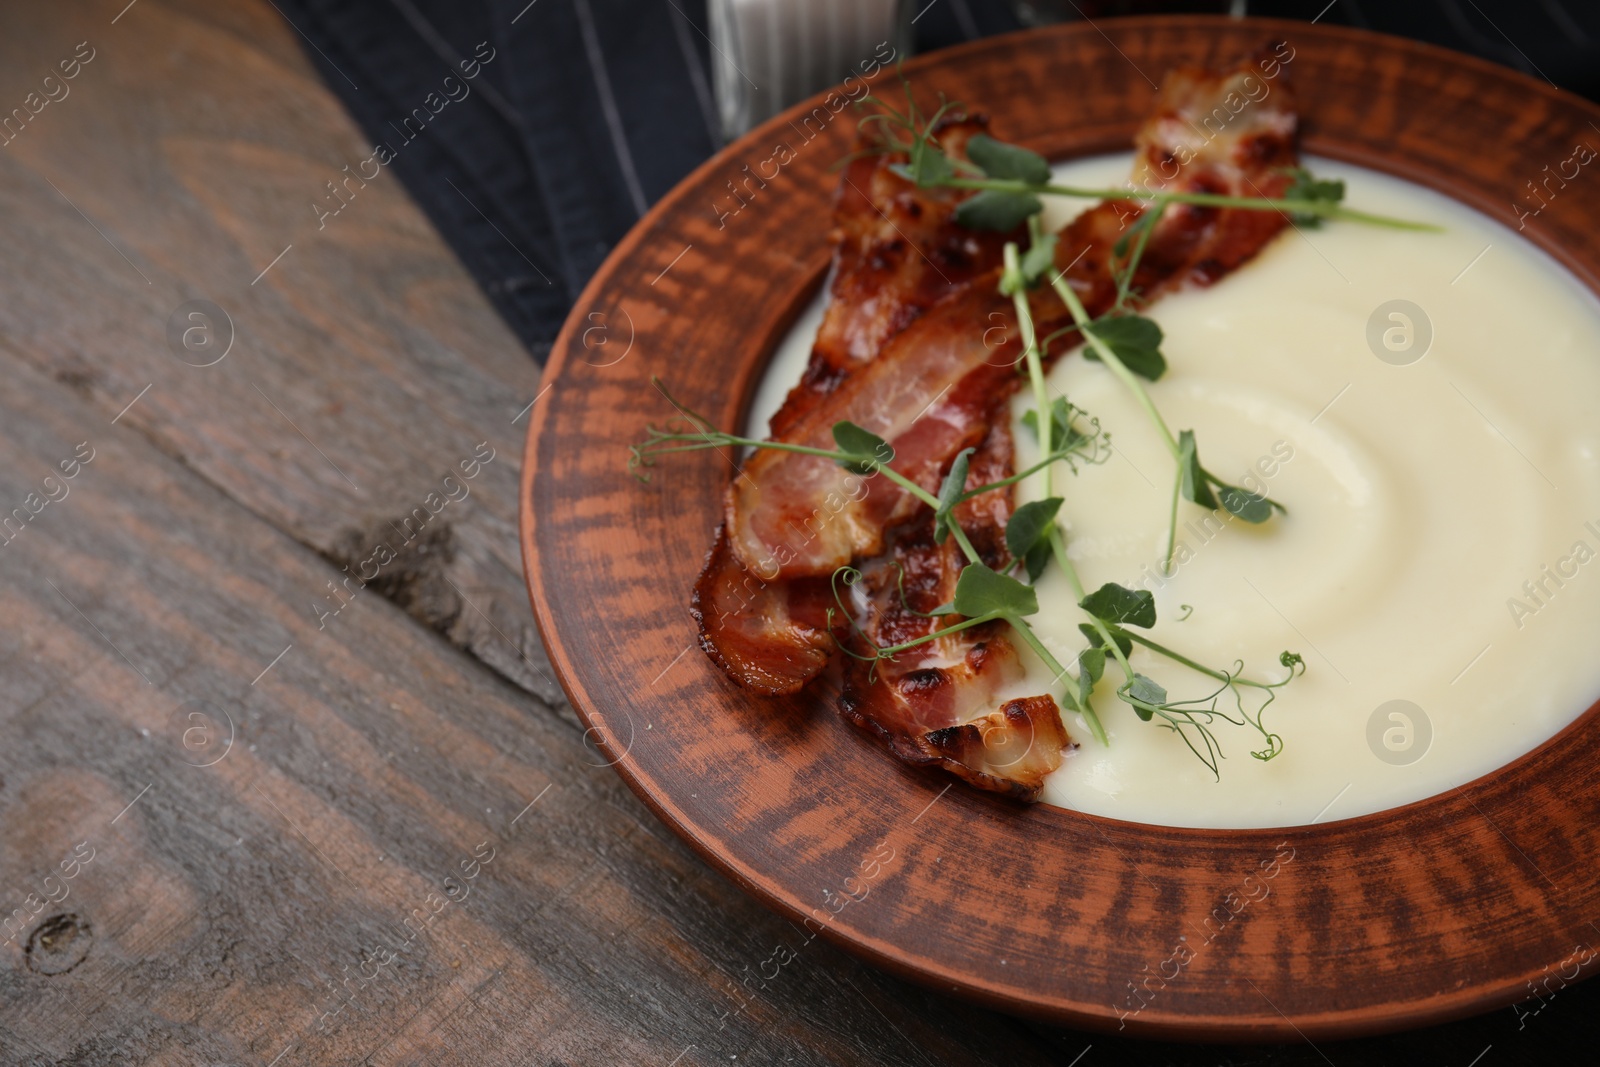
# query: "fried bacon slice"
{"type": "Point", "coordinates": [934, 705]}
{"type": "Point", "coordinates": [765, 634]}
{"type": "Point", "coordinates": [897, 252]}
{"type": "Point", "coordinates": [936, 385]}
{"type": "Point", "coordinates": [1010, 750]}
{"type": "Point", "coordinates": [928, 394]}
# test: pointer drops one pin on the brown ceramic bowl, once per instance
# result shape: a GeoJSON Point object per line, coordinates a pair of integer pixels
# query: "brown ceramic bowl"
{"type": "Point", "coordinates": [1417, 915]}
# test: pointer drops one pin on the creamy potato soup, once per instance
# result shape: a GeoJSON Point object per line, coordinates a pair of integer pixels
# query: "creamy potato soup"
{"type": "Point", "coordinates": [1424, 404]}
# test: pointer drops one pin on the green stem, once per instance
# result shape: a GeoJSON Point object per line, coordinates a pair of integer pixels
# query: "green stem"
{"type": "Point", "coordinates": [917, 491]}
{"type": "Point", "coordinates": [806, 450]}
{"type": "Point", "coordinates": [1146, 224]}
{"type": "Point", "coordinates": [1058, 548]}
{"type": "Point", "coordinates": [1172, 524]}
{"type": "Point", "coordinates": [1017, 623]}
{"type": "Point", "coordinates": [961, 539]}
{"type": "Point", "coordinates": [1019, 476]}
{"type": "Point", "coordinates": [1179, 657]}
{"type": "Point", "coordinates": [1030, 353]}
{"type": "Point", "coordinates": [1060, 674]}
{"type": "Point", "coordinates": [718, 439]}
{"type": "Point", "coordinates": [1080, 314]}
{"type": "Point", "coordinates": [1046, 427]}
{"type": "Point", "coordinates": [967, 624]}
{"type": "Point", "coordinates": [1321, 208]}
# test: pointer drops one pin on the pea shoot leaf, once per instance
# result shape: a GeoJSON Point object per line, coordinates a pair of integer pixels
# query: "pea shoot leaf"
{"type": "Point", "coordinates": [928, 164]}
{"type": "Point", "coordinates": [1039, 258]}
{"type": "Point", "coordinates": [1305, 186]}
{"type": "Point", "coordinates": [1064, 436]}
{"type": "Point", "coordinates": [867, 449]}
{"type": "Point", "coordinates": [1194, 487]}
{"type": "Point", "coordinates": [955, 483]}
{"type": "Point", "coordinates": [1030, 419]}
{"type": "Point", "coordinates": [1251, 507]}
{"type": "Point", "coordinates": [1136, 341]}
{"type": "Point", "coordinates": [1091, 667]}
{"type": "Point", "coordinates": [1037, 559]}
{"type": "Point", "coordinates": [1119, 605]}
{"type": "Point", "coordinates": [994, 209]}
{"type": "Point", "coordinates": [1124, 642]}
{"type": "Point", "coordinates": [1000, 160]}
{"type": "Point", "coordinates": [1144, 690]}
{"type": "Point", "coordinates": [1028, 534]}
{"type": "Point", "coordinates": [1145, 221]}
{"type": "Point", "coordinates": [981, 591]}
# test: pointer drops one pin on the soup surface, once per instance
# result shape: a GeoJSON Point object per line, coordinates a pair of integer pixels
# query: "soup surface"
{"type": "Point", "coordinates": [1425, 407]}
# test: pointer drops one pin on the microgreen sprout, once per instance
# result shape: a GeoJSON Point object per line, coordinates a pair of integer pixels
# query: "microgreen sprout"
{"type": "Point", "coordinates": [1009, 179]}
{"type": "Point", "coordinates": [1008, 182]}
{"type": "Point", "coordinates": [982, 594]}
{"type": "Point", "coordinates": [1115, 341]}
{"type": "Point", "coordinates": [1113, 608]}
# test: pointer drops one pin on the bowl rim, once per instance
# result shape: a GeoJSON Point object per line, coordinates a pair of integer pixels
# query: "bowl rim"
{"type": "Point", "coordinates": [885, 953]}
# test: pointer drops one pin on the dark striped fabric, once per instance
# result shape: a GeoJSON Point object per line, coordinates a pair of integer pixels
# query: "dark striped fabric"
{"type": "Point", "coordinates": [582, 115]}
{"type": "Point", "coordinates": [583, 112]}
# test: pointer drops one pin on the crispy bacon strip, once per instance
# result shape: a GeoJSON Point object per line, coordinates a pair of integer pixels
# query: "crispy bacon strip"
{"type": "Point", "coordinates": [935, 387]}
{"type": "Point", "coordinates": [897, 252]}
{"type": "Point", "coordinates": [771, 634]}
{"type": "Point", "coordinates": [927, 393]}
{"type": "Point", "coordinates": [1010, 750]}
{"type": "Point", "coordinates": [765, 634]}
{"type": "Point", "coordinates": [935, 704]}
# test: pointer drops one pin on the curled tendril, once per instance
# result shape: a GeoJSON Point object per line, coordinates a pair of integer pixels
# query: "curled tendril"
{"type": "Point", "coordinates": [687, 427]}
{"type": "Point", "coordinates": [637, 459]}
{"type": "Point", "coordinates": [1297, 666]}
{"type": "Point", "coordinates": [1199, 714]}
{"type": "Point", "coordinates": [891, 121]}
{"type": "Point", "coordinates": [1091, 447]}
{"type": "Point", "coordinates": [678, 430]}
{"type": "Point", "coordinates": [1084, 441]}
{"type": "Point", "coordinates": [849, 576]}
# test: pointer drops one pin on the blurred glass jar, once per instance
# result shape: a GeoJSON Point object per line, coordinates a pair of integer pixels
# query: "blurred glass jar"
{"type": "Point", "coordinates": [769, 54]}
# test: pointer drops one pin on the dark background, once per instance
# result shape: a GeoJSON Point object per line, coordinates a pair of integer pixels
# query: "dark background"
{"type": "Point", "coordinates": [531, 184]}
{"type": "Point", "coordinates": [593, 109]}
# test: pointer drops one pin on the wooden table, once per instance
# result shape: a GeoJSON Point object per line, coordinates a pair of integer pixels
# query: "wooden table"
{"type": "Point", "coordinates": [252, 812]}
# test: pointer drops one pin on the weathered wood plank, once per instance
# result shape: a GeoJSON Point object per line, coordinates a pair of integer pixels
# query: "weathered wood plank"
{"type": "Point", "coordinates": [374, 776]}
{"type": "Point", "coordinates": [192, 153]}
{"type": "Point", "coordinates": [168, 600]}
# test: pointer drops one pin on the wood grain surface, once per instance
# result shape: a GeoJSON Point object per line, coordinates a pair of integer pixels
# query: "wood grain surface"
{"type": "Point", "coordinates": [352, 389]}
{"type": "Point", "coordinates": [236, 828]}
{"type": "Point", "coordinates": [1453, 905]}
